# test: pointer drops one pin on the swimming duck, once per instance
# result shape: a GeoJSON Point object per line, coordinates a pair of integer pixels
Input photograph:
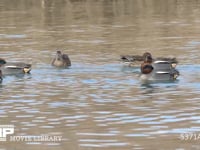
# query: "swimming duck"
{"type": "Point", "coordinates": [158, 70]}
{"type": "Point", "coordinates": [61, 60]}
{"type": "Point", "coordinates": [11, 68]}
{"type": "Point", "coordinates": [135, 60]}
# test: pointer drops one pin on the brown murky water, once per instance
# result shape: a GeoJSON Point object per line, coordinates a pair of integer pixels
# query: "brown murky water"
{"type": "Point", "coordinates": [98, 103]}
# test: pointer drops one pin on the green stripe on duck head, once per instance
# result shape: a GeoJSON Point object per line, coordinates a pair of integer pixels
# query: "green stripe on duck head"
{"type": "Point", "coordinates": [2, 61]}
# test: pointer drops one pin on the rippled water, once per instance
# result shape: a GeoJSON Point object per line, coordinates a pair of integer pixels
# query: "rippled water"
{"type": "Point", "coordinates": [98, 103]}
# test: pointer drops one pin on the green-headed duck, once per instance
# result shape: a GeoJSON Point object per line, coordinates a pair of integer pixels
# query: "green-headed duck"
{"type": "Point", "coordinates": [157, 70]}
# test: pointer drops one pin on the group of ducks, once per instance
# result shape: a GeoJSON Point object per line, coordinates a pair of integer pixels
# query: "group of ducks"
{"type": "Point", "coordinates": [14, 68]}
{"type": "Point", "coordinates": [151, 69]}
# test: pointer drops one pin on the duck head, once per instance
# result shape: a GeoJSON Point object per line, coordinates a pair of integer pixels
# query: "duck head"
{"type": "Point", "coordinates": [146, 54]}
{"type": "Point", "coordinates": [146, 66]}
{"type": "Point", "coordinates": [148, 58]}
{"type": "Point", "coordinates": [58, 55]}
{"type": "Point", "coordinates": [2, 61]}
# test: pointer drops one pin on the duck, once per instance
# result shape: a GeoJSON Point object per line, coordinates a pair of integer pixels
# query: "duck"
{"type": "Point", "coordinates": [11, 68]}
{"type": "Point", "coordinates": [136, 60]}
{"type": "Point", "coordinates": [159, 70]}
{"type": "Point", "coordinates": [61, 60]}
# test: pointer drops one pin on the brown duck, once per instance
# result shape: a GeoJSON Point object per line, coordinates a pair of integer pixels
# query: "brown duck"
{"type": "Point", "coordinates": [61, 60]}
{"type": "Point", "coordinates": [136, 60]}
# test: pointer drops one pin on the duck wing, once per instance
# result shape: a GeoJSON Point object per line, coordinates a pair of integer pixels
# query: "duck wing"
{"type": "Point", "coordinates": [164, 70]}
{"type": "Point", "coordinates": [161, 65]}
{"type": "Point", "coordinates": [66, 59]}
